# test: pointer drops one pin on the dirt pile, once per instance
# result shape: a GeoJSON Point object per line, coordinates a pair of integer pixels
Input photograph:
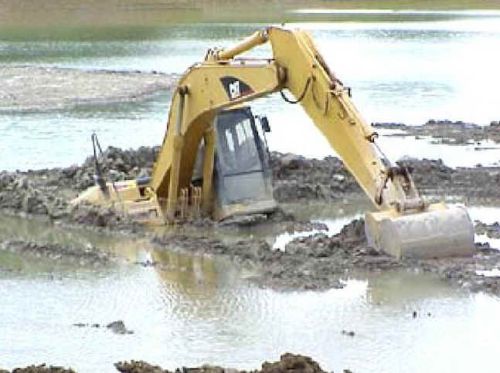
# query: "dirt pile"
{"type": "Point", "coordinates": [433, 177]}
{"type": "Point", "coordinates": [300, 178]}
{"type": "Point", "coordinates": [48, 193]}
{"type": "Point", "coordinates": [116, 164]}
{"type": "Point", "coordinates": [447, 132]}
{"type": "Point", "coordinates": [288, 363]}
{"type": "Point", "coordinates": [297, 179]}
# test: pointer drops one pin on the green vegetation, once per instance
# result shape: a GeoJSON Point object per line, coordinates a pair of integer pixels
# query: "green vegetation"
{"type": "Point", "coordinates": [60, 13]}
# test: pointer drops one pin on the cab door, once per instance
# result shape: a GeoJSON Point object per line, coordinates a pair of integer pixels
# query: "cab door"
{"type": "Point", "coordinates": [243, 179]}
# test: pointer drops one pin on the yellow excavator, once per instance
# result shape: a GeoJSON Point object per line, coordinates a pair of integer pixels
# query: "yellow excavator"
{"type": "Point", "coordinates": [213, 159]}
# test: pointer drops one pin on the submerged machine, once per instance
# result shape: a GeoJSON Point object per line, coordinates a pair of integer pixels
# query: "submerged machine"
{"type": "Point", "coordinates": [214, 159]}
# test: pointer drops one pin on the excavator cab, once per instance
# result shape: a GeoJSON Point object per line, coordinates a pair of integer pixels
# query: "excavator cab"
{"type": "Point", "coordinates": [242, 177]}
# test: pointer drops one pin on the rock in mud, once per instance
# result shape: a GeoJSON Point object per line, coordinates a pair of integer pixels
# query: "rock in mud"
{"type": "Point", "coordinates": [118, 327]}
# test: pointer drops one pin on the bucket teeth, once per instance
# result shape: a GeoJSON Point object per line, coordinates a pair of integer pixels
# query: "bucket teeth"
{"type": "Point", "coordinates": [438, 232]}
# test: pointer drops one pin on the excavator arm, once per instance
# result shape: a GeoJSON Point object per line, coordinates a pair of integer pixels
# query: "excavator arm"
{"type": "Point", "coordinates": [222, 81]}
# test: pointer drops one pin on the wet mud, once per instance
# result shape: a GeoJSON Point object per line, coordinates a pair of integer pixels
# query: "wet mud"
{"type": "Point", "coordinates": [490, 230]}
{"type": "Point", "coordinates": [288, 363]}
{"type": "Point", "coordinates": [447, 132]}
{"type": "Point", "coordinates": [31, 88]}
{"type": "Point", "coordinates": [297, 178]}
{"type": "Point", "coordinates": [80, 256]}
{"type": "Point", "coordinates": [317, 262]}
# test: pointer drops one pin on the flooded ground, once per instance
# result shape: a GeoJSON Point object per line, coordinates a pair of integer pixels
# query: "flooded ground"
{"type": "Point", "coordinates": [194, 309]}
{"type": "Point", "coordinates": [202, 309]}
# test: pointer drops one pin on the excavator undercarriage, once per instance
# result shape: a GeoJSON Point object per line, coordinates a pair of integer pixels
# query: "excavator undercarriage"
{"type": "Point", "coordinates": [214, 159]}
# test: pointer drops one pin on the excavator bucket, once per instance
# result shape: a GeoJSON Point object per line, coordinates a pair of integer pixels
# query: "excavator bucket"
{"type": "Point", "coordinates": [440, 231]}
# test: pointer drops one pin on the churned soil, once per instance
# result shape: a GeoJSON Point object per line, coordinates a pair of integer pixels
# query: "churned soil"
{"type": "Point", "coordinates": [315, 262]}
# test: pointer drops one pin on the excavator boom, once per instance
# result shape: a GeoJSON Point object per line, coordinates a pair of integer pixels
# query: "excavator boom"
{"type": "Point", "coordinates": [405, 224]}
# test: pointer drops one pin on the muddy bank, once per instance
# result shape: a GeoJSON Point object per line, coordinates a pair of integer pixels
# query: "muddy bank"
{"type": "Point", "coordinates": [30, 88]}
{"type": "Point", "coordinates": [288, 363]}
{"type": "Point", "coordinates": [80, 256]}
{"type": "Point", "coordinates": [447, 132]}
{"type": "Point", "coordinates": [317, 262]}
{"type": "Point", "coordinates": [321, 262]}
{"type": "Point", "coordinates": [47, 192]}
{"type": "Point", "coordinates": [297, 178]}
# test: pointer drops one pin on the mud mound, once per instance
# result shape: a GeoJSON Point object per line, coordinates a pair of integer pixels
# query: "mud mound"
{"type": "Point", "coordinates": [299, 178]}
{"type": "Point", "coordinates": [138, 367]}
{"type": "Point", "coordinates": [434, 177]}
{"type": "Point", "coordinates": [40, 369]}
{"type": "Point", "coordinates": [43, 193]}
{"type": "Point", "coordinates": [448, 132]}
{"type": "Point", "coordinates": [117, 164]}
{"type": "Point", "coordinates": [288, 363]}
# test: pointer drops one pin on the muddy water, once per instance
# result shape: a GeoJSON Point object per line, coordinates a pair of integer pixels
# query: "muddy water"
{"type": "Point", "coordinates": [409, 71]}
{"type": "Point", "coordinates": [194, 309]}
{"type": "Point", "coordinates": [201, 309]}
